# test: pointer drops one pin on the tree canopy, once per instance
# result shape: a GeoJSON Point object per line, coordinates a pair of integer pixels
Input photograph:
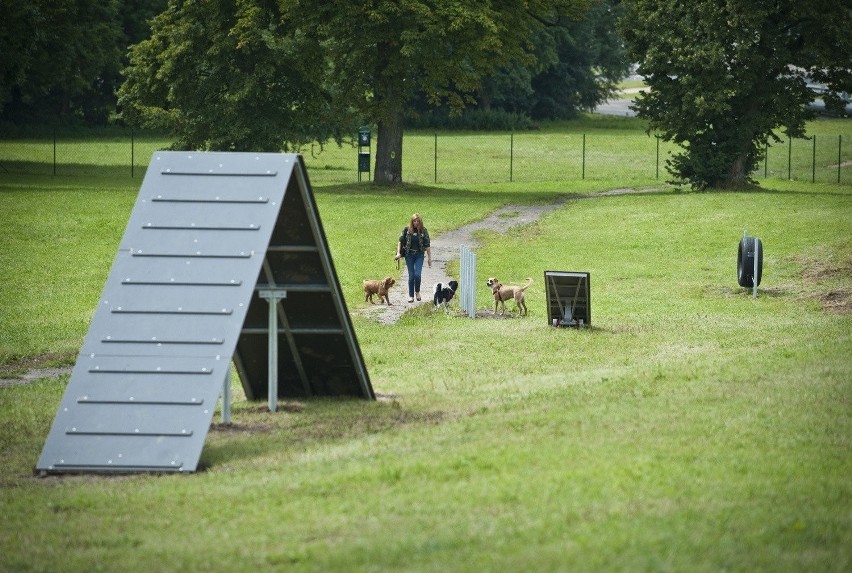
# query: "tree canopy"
{"type": "Point", "coordinates": [230, 75]}
{"type": "Point", "coordinates": [723, 76]}
{"type": "Point", "coordinates": [61, 58]}
{"type": "Point", "coordinates": [258, 74]}
{"type": "Point", "coordinates": [579, 62]}
{"type": "Point", "coordinates": [385, 51]}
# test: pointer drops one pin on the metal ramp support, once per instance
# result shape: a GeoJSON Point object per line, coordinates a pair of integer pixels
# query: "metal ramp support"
{"type": "Point", "coordinates": [568, 298]}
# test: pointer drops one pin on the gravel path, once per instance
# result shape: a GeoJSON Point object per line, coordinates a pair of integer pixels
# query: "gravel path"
{"type": "Point", "coordinates": [445, 248]}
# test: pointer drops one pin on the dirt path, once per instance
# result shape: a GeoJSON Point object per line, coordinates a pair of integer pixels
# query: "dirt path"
{"type": "Point", "coordinates": [445, 248]}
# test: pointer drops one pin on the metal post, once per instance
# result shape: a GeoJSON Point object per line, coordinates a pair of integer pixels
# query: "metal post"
{"type": "Point", "coordinates": [54, 152]}
{"type": "Point", "coordinates": [436, 157]}
{"type": "Point", "coordinates": [789, 157]}
{"type": "Point", "coordinates": [467, 272]}
{"type": "Point", "coordinates": [754, 276]}
{"type": "Point", "coordinates": [813, 163]}
{"type": "Point", "coordinates": [273, 296]}
{"type": "Point", "coordinates": [226, 398]}
{"type": "Point", "coordinates": [132, 149]}
{"type": "Point", "coordinates": [839, 144]}
{"type": "Point", "coordinates": [657, 176]}
{"type": "Point", "coordinates": [766, 160]}
{"type": "Point", "coordinates": [511, 154]}
{"type": "Point", "coordinates": [584, 157]}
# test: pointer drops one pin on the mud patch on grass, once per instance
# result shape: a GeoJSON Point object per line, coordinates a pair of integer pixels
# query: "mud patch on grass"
{"type": "Point", "coordinates": [828, 271]}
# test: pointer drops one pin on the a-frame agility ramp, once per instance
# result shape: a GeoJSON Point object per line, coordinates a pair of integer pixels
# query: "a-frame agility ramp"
{"type": "Point", "coordinates": [219, 247]}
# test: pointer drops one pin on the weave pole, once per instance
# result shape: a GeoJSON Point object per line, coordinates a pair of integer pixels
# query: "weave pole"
{"type": "Point", "coordinates": [467, 270]}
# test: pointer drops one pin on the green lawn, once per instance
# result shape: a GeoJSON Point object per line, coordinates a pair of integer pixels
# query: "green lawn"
{"type": "Point", "coordinates": [693, 427]}
{"type": "Point", "coordinates": [594, 148]}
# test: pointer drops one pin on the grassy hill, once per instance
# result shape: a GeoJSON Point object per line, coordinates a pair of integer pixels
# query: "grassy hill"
{"type": "Point", "coordinates": [693, 427]}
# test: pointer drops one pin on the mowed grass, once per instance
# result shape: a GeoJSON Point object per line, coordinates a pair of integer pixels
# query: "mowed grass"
{"type": "Point", "coordinates": [693, 427]}
{"type": "Point", "coordinates": [593, 148]}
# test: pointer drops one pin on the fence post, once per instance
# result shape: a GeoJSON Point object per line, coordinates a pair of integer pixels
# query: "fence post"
{"type": "Point", "coordinates": [583, 173]}
{"type": "Point", "coordinates": [839, 143]}
{"type": "Point", "coordinates": [657, 176]}
{"type": "Point", "coordinates": [789, 157]}
{"type": "Point", "coordinates": [132, 159]}
{"type": "Point", "coordinates": [766, 160]}
{"type": "Point", "coordinates": [813, 163]}
{"type": "Point", "coordinates": [511, 153]}
{"type": "Point", "coordinates": [436, 157]}
{"type": "Point", "coordinates": [54, 152]}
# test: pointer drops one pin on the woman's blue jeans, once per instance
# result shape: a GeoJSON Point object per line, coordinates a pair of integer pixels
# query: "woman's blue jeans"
{"type": "Point", "coordinates": [414, 262]}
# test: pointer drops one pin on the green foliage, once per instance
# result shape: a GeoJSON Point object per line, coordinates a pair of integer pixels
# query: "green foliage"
{"type": "Point", "coordinates": [578, 63]}
{"type": "Point", "coordinates": [383, 53]}
{"type": "Point", "coordinates": [471, 120]}
{"type": "Point", "coordinates": [723, 76]}
{"type": "Point", "coordinates": [60, 59]}
{"type": "Point", "coordinates": [229, 75]}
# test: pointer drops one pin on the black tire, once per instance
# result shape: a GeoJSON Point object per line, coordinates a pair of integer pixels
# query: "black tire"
{"type": "Point", "coordinates": [745, 261]}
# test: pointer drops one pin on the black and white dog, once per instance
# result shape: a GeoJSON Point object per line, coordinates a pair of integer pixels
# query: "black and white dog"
{"type": "Point", "coordinates": [444, 293]}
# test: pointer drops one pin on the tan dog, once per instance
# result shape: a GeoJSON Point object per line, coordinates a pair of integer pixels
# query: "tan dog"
{"type": "Point", "coordinates": [379, 287]}
{"type": "Point", "coordinates": [503, 293]}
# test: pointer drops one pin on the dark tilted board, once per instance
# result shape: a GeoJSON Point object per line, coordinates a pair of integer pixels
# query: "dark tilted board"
{"type": "Point", "coordinates": [568, 298]}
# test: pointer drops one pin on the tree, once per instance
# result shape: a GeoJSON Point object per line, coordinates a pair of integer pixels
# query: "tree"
{"type": "Point", "coordinates": [579, 62]}
{"type": "Point", "coordinates": [384, 51]}
{"type": "Point", "coordinates": [257, 74]}
{"type": "Point", "coordinates": [61, 59]}
{"type": "Point", "coordinates": [56, 54]}
{"type": "Point", "coordinates": [229, 75]}
{"type": "Point", "coordinates": [725, 75]}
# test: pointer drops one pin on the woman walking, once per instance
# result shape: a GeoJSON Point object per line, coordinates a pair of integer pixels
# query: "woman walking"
{"type": "Point", "coordinates": [413, 244]}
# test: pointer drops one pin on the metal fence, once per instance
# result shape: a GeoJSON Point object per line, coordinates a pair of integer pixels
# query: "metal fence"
{"type": "Point", "coordinates": [429, 158]}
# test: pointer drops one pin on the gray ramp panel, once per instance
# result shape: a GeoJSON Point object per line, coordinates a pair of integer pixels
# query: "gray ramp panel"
{"type": "Point", "coordinates": [144, 389]}
{"type": "Point", "coordinates": [208, 231]}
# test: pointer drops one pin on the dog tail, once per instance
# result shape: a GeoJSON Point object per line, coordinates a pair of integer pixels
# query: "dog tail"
{"type": "Point", "coordinates": [529, 282]}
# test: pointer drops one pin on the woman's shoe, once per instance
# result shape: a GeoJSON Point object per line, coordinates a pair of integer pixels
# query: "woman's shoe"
{"type": "Point", "coordinates": [411, 300]}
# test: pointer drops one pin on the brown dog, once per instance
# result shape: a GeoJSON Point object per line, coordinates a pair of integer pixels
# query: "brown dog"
{"type": "Point", "coordinates": [379, 287]}
{"type": "Point", "coordinates": [503, 293]}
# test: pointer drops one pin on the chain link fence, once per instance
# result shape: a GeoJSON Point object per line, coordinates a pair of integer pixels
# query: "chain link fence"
{"type": "Point", "coordinates": [447, 158]}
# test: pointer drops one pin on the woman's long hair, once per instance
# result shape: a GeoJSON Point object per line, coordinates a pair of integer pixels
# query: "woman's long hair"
{"type": "Point", "coordinates": [415, 217]}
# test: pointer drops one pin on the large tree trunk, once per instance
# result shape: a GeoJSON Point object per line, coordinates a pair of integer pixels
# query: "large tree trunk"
{"type": "Point", "coordinates": [389, 149]}
{"type": "Point", "coordinates": [389, 117]}
{"type": "Point", "coordinates": [737, 176]}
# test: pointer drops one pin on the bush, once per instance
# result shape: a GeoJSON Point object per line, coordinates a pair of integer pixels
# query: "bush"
{"type": "Point", "coordinates": [472, 120]}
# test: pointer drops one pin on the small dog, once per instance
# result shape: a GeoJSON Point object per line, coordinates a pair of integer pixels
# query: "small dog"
{"type": "Point", "coordinates": [444, 293]}
{"type": "Point", "coordinates": [379, 287]}
{"type": "Point", "coordinates": [503, 293]}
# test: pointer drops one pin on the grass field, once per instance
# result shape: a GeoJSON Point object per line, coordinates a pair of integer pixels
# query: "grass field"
{"type": "Point", "coordinates": [693, 427]}
{"type": "Point", "coordinates": [592, 148]}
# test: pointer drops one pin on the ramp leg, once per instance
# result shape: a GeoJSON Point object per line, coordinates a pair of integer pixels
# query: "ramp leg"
{"type": "Point", "coordinates": [272, 296]}
{"type": "Point", "coordinates": [226, 398]}
{"type": "Point", "coordinates": [273, 355]}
